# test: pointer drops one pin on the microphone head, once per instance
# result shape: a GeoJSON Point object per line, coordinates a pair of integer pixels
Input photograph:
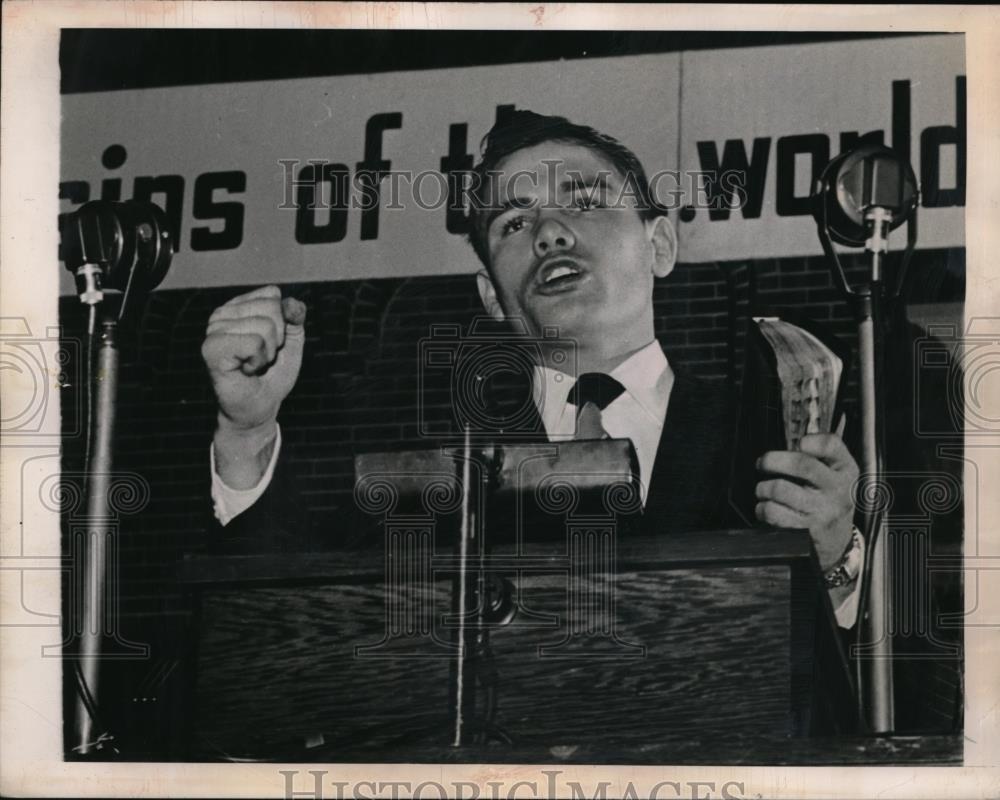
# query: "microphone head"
{"type": "Point", "coordinates": [857, 182]}
{"type": "Point", "coordinates": [129, 241]}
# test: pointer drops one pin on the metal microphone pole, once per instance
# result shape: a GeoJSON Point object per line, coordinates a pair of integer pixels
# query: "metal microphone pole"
{"type": "Point", "coordinates": [95, 547]}
{"type": "Point", "coordinates": [869, 312]}
{"type": "Point", "coordinates": [862, 195]}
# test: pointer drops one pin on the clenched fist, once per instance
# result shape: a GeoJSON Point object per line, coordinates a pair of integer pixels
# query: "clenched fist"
{"type": "Point", "coordinates": [253, 351]}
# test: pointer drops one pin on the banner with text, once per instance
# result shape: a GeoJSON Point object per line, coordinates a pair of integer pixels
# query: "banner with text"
{"type": "Point", "coordinates": [356, 176]}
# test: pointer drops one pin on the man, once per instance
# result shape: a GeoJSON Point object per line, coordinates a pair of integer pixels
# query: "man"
{"type": "Point", "coordinates": [564, 224]}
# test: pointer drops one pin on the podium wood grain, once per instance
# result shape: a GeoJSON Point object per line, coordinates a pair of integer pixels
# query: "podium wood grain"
{"type": "Point", "coordinates": [296, 651]}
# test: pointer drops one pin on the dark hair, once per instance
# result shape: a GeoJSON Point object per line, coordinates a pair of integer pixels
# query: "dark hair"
{"type": "Point", "coordinates": [517, 130]}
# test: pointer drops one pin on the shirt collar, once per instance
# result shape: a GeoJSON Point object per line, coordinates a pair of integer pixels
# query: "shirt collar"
{"type": "Point", "coordinates": [645, 375]}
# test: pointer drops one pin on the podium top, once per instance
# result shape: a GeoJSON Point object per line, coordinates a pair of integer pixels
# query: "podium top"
{"type": "Point", "coordinates": [736, 547]}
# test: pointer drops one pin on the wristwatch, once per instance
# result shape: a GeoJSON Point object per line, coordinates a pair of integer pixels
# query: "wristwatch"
{"type": "Point", "coordinates": [847, 569]}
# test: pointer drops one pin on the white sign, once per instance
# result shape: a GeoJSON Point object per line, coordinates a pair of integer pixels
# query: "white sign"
{"type": "Point", "coordinates": [779, 114]}
{"type": "Point", "coordinates": [262, 180]}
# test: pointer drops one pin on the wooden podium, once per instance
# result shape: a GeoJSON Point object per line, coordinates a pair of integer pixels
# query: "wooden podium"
{"type": "Point", "coordinates": [632, 650]}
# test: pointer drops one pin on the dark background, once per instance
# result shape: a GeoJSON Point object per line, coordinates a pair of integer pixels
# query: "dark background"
{"type": "Point", "coordinates": [93, 60]}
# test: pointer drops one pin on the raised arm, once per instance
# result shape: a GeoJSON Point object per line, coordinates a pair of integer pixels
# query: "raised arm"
{"type": "Point", "coordinates": [253, 351]}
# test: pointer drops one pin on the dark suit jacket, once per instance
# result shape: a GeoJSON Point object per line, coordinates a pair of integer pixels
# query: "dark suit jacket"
{"type": "Point", "coordinates": [689, 486]}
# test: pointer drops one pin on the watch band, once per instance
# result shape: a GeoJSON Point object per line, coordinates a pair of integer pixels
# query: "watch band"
{"type": "Point", "coordinates": [847, 569]}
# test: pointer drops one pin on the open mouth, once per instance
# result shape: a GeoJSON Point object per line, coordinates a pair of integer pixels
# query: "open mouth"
{"type": "Point", "coordinates": [558, 275]}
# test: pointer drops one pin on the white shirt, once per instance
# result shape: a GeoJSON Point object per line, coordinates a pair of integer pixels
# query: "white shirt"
{"type": "Point", "coordinates": [637, 414]}
{"type": "Point", "coordinates": [229, 502]}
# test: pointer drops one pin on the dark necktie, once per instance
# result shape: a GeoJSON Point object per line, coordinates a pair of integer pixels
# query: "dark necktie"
{"type": "Point", "coordinates": [591, 394]}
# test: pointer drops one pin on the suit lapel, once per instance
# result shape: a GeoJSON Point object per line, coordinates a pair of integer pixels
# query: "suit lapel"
{"type": "Point", "coordinates": [688, 489]}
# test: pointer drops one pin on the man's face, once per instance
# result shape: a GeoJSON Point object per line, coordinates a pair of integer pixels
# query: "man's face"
{"type": "Point", "coordinates": [568, 248]}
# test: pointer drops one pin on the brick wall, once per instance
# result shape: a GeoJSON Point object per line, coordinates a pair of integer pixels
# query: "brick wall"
{"type": "Point", "coordinates": [369, 331]}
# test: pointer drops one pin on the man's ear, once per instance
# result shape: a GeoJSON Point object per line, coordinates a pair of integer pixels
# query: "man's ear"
{"type": "Point", "coordinates": [663, 237]}
{"type": "Point", "coordinates": [488, 294]}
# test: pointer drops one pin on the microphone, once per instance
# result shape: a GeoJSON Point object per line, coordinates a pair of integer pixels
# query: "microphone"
{"type": "Point", "coordinates": [860, 197]}
{"type": "Point", "coordinates": [122, 246]}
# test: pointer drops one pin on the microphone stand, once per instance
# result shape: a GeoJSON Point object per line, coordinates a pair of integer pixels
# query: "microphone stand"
{"type": "Point", "coordinates": [98, 477]}
{"type": "Point", "coordinates": [126, 247]}
{"type": "Point", "coordinates": [868, 303]}
{"type": "Point", "coordinates": [887, 192]}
